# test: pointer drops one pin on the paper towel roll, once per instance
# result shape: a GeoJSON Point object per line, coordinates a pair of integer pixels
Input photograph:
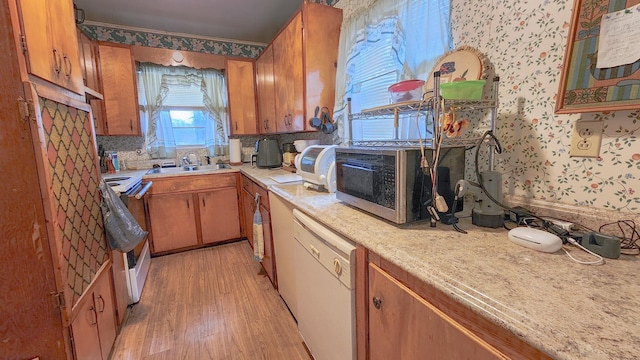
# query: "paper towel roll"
{"type": "Point", "coordinates": [235, 151]}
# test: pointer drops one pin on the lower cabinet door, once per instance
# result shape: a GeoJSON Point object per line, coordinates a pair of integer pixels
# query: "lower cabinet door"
{"type": "Point", "coordinates": [105, 310]}
{"type": "Point", "coordinates": [219, 215]}
{"type": "Point", "coordinates": [248, 209]}
{"type": "Point", "coordinates": [402, 325]}
{"type": "Point", "coordinates": [84, 328]}
{"type": "Point", "coordinates": [172, 221]}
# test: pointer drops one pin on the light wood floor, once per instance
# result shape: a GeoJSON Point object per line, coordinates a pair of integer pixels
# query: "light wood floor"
{"type": "Point", "coordinates": [209, 304]}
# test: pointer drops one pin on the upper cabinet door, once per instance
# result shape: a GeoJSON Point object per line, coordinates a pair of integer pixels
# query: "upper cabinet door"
{"type": "Point", "coordinates": [50, 42]}
{"type": "Point", "coordinates": [266, 95]}
{"type": "Point", "coordinates": [242, 97]}
{"type": "Point", "coordinates": [120, 92]}
{"type": "Point", "coordinates": [321, 38]}
{"type": "Point", "coordinates": [289, 80]}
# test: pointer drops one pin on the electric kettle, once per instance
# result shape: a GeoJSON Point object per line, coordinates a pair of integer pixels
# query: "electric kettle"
{"type": "Point", "coordinates": [268, 153]}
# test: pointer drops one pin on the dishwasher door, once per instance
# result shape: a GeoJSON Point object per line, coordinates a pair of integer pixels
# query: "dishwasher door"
{"type": "Point", "coordinates": [325, 289]}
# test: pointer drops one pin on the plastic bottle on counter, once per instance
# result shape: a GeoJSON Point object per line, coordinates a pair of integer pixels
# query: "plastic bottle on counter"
{"type": "Point", "coordinates": [110, 168]}
{"type": "Point", "coordinates": [114, 160]}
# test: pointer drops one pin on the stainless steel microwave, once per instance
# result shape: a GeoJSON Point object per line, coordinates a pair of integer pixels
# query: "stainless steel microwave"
{"type": "Point", "coordinates": [389, 182]}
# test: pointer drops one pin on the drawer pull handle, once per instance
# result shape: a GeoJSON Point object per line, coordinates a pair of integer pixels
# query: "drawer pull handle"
{"type": "Point", "coordinates": [377, 302]}
{"type": "Point", "coordinates": [102, 302]}
{"type": "Point", "coordinates": [94, 320]}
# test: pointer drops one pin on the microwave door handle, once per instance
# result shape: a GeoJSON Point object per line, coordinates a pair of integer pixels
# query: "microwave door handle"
{"type": "Point", "coordinates": [354, 167]}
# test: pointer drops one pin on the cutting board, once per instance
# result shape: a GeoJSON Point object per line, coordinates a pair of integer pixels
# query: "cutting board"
{"type": "Point", "coordinates": [286, 178]}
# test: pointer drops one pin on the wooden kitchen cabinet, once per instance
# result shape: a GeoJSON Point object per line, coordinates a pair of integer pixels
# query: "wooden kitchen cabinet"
{"type": "Point", "coordinates": [219, 223]}
{"type": "Point", "coordinates": [242, 96]}
{"type": "Point", "coordinates": [49, 42]}
{"type": "Point", "coordinates": [402, 325]}
{"type": "Point", "coordinates": [249, 191]}
{"type": "Point", "coordinates": [305, 55]}
{"type": "Point", "coordinates": [89, 66]}
{"type": "Point", "coordinates": [190, 211]}
{"type": "Point", "coordinates": [90, 69]}
{"type": "Point", "coordinates": [289, 82]}
{"type": "Point", "coordinates": [266, 95]}
{"type": "Point", "coordinates": [94, 328]}
{"type": "Point", "coordinates": [172, 221]}
{"type": "Point", "coordinates": [398, 316]}
{"type": "Point", "coordinates": [120, 109]}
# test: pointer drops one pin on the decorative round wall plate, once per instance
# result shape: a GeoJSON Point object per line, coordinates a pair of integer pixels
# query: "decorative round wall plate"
{"type": "Point", "coordinates": [458, 65]}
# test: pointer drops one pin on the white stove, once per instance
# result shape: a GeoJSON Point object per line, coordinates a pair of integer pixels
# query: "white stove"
{"type": "Point", "coordinates": [126, 184]}
{"type": "Point", "coordinates": [124, 181]}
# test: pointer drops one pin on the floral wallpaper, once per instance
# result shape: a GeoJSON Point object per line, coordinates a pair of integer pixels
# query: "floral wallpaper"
{"type": "Point", "coordinates": [525, 42]}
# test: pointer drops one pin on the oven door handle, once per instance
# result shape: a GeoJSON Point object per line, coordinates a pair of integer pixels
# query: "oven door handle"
{"type": "Point", "coordinates": [143, 191]}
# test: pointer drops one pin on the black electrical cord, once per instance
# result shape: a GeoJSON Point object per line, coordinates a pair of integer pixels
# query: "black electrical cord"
{"type": "Point", "coordinates": [453, 211]}
{"type": "Point", "coordinates": [548, 225]}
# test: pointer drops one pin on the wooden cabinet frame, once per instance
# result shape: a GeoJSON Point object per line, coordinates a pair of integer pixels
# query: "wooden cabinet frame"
{"type": "Point", "coordinates": [194, 190]}
{"type": "Point", "coordinates": [496, 336]}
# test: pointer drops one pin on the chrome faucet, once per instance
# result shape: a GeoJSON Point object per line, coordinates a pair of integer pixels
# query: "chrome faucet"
{"type": "Point", "coordinates": [190, 159]}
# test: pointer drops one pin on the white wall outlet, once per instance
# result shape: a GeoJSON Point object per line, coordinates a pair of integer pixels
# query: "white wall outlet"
{"type": "Point", "coordinates": [586, 138]}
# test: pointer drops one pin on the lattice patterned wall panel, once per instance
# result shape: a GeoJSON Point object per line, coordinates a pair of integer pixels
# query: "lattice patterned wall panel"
{"type": "Point", "coordinates": [80, 232]}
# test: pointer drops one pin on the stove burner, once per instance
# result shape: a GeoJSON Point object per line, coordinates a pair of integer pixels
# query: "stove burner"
{"type": "Point", "coordinates": [118, 179]}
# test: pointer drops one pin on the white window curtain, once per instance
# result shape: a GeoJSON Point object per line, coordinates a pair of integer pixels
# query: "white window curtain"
{"type": "Point", "coordinates": [214, 97]}
{"type": "Point", "coordinates": [158, 82]}
{"type": "Point", "coordinates": [387, 42]}
{"type": "Point", "coordinates": [159, 136]}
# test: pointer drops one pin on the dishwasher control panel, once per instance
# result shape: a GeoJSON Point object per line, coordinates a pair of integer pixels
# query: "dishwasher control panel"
{"type": "Point", "coordinates": [334, 252]}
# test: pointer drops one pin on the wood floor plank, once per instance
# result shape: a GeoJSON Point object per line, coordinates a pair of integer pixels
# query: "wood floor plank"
{"type": "Point", "coordinates": [211, 303]}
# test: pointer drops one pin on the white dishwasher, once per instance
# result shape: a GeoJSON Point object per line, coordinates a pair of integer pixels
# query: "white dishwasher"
{"type": "Point", "coordinates": [325, 289]}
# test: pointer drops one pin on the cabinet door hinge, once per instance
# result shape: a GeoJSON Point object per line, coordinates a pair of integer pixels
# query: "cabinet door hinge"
{"type": "Point", "coordinates": [58, 298]}
{"type": "Point", "coordinates": [27, 110]}
{"type": "Point", "coordinates": [23, 43]}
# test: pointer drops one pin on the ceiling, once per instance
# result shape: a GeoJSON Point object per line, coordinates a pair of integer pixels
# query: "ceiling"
{"type": "Point", "coordinates": [254, 21]}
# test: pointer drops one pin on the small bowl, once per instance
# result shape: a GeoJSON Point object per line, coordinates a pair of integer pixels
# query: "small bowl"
{"type": "Point", "coordinates": [300, 145]}
{"type": "Point", "coordinates": [407, 90]}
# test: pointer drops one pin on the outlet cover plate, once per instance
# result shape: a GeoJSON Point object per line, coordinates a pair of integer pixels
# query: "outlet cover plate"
{"type": "Point", "coordinates": [586, 138]}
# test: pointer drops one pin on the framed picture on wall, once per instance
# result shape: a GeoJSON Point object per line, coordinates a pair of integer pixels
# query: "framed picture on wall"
{"type": "Point", "coordinates": [601, 69]}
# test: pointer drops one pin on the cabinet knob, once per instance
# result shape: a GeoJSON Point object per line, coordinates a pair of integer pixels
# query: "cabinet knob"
{"type": "Point", "coordinates": [377, 302]}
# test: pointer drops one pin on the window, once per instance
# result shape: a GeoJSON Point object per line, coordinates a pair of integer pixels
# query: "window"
{"type": "Point", "coordinates": [185, 107]}
{"type": "Point", "coordinates": [182, 107]}
{"type": "Point", "coordinates": [389, 42]}
{"type": "Point", "coordinates": [188, 127]}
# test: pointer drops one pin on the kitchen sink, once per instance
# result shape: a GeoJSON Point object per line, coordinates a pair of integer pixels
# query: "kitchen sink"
{"type": "Point", "coordinates": [188, 168]}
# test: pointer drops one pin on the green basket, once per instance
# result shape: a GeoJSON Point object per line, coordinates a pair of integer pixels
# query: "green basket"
{"type": "Point", "coordinates": [462, 90]}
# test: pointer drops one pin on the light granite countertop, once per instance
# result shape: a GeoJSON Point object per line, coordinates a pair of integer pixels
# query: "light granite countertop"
{"type": "Point", "coordinates": [567, 310]}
